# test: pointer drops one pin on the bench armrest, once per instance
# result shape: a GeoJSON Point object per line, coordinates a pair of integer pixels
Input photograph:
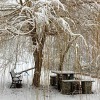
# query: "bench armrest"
{"type": "Point", "coordinates": [18, 76]}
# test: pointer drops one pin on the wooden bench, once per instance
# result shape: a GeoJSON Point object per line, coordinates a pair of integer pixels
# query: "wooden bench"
{"type": "Point", "coordinates": [76, 87]}
{"type": "Point", "coordinates": [16, 80]}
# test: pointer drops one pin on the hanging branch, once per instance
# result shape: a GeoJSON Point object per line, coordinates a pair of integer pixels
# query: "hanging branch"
{"type": "Point", "coordinates": [62, 56]}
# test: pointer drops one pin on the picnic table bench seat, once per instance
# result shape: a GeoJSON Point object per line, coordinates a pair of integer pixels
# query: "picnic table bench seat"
{"type": "Point", "coordinates": [76, 86]}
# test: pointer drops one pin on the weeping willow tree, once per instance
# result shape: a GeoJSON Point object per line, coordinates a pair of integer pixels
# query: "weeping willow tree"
{"type": "Point", "coordinates": [88, 25]}
{"type": "Point", "coordinates": [39, 19]}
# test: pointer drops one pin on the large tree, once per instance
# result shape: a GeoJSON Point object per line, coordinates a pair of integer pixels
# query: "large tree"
{"type": "Point", "coordinates": [39, 19]}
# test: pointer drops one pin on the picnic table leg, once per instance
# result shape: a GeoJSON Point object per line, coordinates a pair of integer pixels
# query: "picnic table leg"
{"type": "Point", "coordinates": [65, 76]}
{"type": "Point", "coordinates": [87, 87]}
{"type": "Point", "coordinates": [53, 80]}
{"type": "Point", "coordinates": [59, 81]}
{"type": "Point", "coordinates": [66, 88]}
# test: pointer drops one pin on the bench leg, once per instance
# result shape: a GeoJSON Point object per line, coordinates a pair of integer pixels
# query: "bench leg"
{"type": "Point", "coordinates": [12, 85]}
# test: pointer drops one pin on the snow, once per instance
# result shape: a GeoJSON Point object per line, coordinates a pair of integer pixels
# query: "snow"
{"type": "Point", "coordinates": [28, 93]}
{"type": "Point", "coordinates": [45, 92]}
{"type": "Point", "coordinates": [11, 1]}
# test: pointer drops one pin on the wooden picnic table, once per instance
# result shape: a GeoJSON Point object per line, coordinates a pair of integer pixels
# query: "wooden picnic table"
{"type": "Point", "coordinates": [63, 75]}
{"type": "Point", "coordinates": [68, 84]}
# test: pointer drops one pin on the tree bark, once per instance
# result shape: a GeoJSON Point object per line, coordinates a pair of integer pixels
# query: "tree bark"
{"type": "Point", "coordinates": [38, 64]}
{"type": "Point", "coordinates": [38, 58]}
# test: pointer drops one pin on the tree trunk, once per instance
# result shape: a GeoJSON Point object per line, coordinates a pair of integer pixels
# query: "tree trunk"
{"type": "Point", "coordinates": [61, 62]}
{"type": "Point", "coordinates": [38, 64]}
{"type": "Point", "coordinates": [38, 58]}
{"type": "Point", "coordinates": [62, 55]}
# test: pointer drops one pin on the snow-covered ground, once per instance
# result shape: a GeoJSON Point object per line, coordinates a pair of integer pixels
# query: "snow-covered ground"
{"type": "Point", "coordinates": [45, 92]}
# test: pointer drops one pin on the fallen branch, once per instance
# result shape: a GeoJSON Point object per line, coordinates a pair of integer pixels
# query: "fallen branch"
{"type": "Point", "coordinates": [25, 70]}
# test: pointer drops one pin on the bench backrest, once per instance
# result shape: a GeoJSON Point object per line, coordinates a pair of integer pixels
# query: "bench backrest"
{"type": "Point", "coordinates": [13, 74]}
